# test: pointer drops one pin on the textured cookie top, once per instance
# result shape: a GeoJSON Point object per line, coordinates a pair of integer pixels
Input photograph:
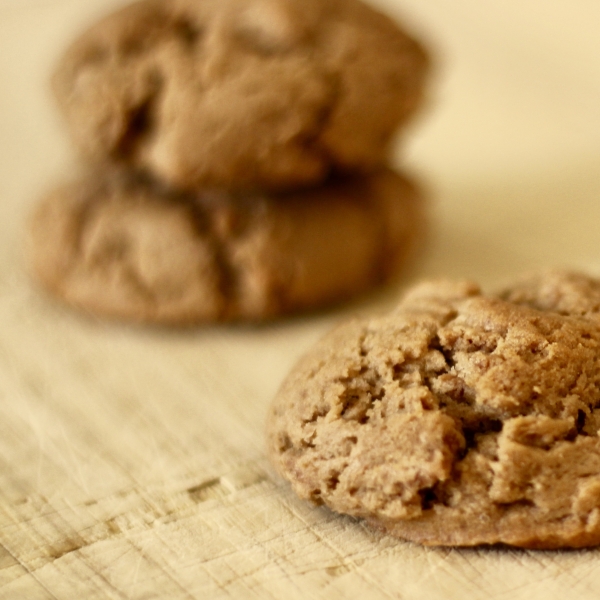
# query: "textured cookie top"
{"type": "Point", "coordinates": [240, 93]}
{"type": "Point", "coordinates": [126, 248]}
{"type": "Point", "coordinates": [459, 418]}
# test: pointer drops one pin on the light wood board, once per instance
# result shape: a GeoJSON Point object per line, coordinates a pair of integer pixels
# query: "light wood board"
{"type": "Point", "coordinates": [132, 460]}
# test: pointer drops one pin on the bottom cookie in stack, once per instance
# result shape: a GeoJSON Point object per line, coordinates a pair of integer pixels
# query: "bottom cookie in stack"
{"type": "Point", "coordinates": [125, 248]}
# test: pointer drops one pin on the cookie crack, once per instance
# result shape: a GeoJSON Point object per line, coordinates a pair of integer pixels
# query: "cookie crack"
{"type": "Point", "coordinates": [358, 403]}
{"type": "Point", "coordinates": [228, 282]}
{"type": "Point", "coordinates": [85, 215]}
{"type": "Point", "coordinates": [363, 389]}
{"type": "Point", "coordinates": [187, 32]}
{"type": "Point", "coordinates": [140, 121]}
{"type": "Point", "coordinates": [115, 252]}
{"type": "Point", "coordinates": [447, 353]}
{"type": "Point", "coordinates": [434, 495]}
{"type": "Point", "coordinates": [312, 140]}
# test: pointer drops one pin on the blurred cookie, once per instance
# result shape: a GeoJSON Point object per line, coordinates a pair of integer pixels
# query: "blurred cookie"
{"type": "Point", "coordinates": [267, 94]}
{"type": "Point", "coordinates": [128, 250]}
{"type": "Point", "coordinates": [457, 419]}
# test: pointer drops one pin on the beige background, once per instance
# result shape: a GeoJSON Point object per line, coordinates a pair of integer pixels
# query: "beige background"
{"type": "Point", "coordinates": [131, 460]}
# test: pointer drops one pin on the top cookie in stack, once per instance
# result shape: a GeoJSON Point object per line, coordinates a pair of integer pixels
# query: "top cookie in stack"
{"type": "Point", "coordinates": [269, 94]}
{"type": "Point", "coordinates": [236, 156]}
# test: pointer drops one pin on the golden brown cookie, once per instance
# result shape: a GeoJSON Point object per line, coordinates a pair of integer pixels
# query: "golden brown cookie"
{"type": "Point", "coordinates": [240, 93]}
{"type": "Point", "coordinates": [458, 419]}
{"type": "Point", "coordinates": [126, 249]}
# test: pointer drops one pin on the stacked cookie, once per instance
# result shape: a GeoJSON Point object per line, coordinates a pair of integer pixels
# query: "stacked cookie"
{"type": "Point", "coordinates": [236, 157]}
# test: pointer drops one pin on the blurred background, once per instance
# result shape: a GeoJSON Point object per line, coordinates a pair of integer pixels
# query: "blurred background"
{"type": "Point", "coordinates": [509, 143]}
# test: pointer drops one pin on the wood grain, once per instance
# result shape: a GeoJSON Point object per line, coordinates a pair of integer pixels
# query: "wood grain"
{"type": "Point", "coordinates": [132, 462]}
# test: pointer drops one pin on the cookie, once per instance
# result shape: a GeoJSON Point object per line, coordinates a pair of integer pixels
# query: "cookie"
{"type": "Point", "coordinates": [128, 249]}
{"type": "Point", "coordinates": [459, 418]}
{"type": "Point", "coordinates": [268, 94]}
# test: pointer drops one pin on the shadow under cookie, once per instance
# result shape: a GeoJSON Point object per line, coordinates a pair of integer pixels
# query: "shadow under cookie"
{"type": "Point", "coordinates": [127, 249]}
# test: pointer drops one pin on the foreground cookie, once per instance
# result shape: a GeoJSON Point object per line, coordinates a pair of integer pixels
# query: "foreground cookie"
{"type": "Point", "coordinates": [125, 249]}
{"type": "Point", "coordinates": [457, 419]}
{"type": "Point", "coordinates": [241, 93]}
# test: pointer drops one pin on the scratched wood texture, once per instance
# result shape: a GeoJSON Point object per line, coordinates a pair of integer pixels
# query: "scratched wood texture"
{"type": "Point", "coordinates": [132, 462]}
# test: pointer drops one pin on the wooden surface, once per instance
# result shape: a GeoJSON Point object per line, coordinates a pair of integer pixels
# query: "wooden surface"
{"type": "Point", "coordinates": [132, 462]}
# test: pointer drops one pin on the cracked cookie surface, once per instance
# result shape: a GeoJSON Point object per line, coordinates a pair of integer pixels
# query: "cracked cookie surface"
{"type": "Point", "coordinates": [267, 94]}
{"type": "Point", "coordinates": [457, 419]}
{"type": "Point", "coordinates": [127, 249]}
